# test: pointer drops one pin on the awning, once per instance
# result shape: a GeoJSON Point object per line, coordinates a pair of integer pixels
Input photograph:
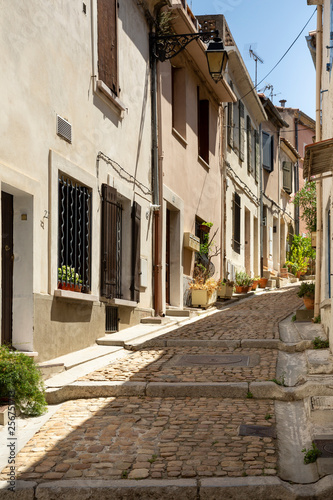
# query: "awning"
{"type": "Point", "coordinates": [318, 158]}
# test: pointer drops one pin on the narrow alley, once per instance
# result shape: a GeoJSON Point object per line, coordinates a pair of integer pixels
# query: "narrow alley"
{"type": "Point", "coordinates": [217, 408]}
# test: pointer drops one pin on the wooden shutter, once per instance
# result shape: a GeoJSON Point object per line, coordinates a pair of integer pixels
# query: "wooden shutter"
{"type": "Point", "coordinates": [257, 156]}
{"type": "Point", "coordinates": [109, 242]}
{"type": "Point", "coordinates": [287, 170]}
{"type": "Point", "coordinates": [268, 151]}
{"type": "Point", "coordinates": [237, 222]}
{"type": "Point", "coordinates": [241, 131]}
{"type": "Point", "coordinates": [107, 43]}
{"type": "Point", "coordinates": [230, 132]}
{"type": "Point", "coordinates": [136, 244]}
{"type": "Point", "coordinates": [204, 130]}
{"type": "Point", "coordinates": [249, 144]}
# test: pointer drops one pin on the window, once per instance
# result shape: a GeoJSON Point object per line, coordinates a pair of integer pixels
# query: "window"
{"type": "Point", "coordinates": [236, 126]}
{"type": "Point", "coordinates": [236, 222]}
{"type": "Point", "coordinates": [107, 43]}
{"type": "Point", "coordinates": [268, 151]}
{"type": "Point", "coordinates": [249, 145]}
{"type": "Point", "coordinates": [179, 100]}
{"type": "Point", "coordinates": [120, 251]}
{"type": "Point", "coordinates": [241, 131]}
{"type": "Point", "coordinates": [74, 235]}
{"type": "Point", "coordinates": [287, 171]}
{"type": "Point", "coordinates": [203, 129]}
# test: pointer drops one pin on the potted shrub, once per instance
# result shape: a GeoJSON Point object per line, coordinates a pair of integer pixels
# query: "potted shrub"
{"type": "Point", "coordinates": [225, 288]}
{"type": "Point", "coordinates": [243, 282]}
{"type": "Point", "coordinates": [205, 226]}
{"type": "Point", "coordinates": [307, 293]}
{"type": "Point", "coordinates": [68, 279]}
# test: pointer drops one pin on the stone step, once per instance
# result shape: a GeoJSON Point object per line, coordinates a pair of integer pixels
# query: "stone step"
{"type": "Point", "coordinates": [155, 320]}
{"type": "Point", "coordinates": [179, 312]}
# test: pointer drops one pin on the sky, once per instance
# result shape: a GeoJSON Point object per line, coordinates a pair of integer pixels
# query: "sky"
{"type": "Point", "coordinates": [269, 27]}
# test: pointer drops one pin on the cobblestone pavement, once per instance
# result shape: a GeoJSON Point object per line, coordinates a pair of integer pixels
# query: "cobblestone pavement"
{"type": "Point", "coordinates": [255, 318]}
{"type": "Point", "coordinates": [113, 438]}
{"type": "Point", "coordinates": [180, 365]}
{"type": "Point", "coordinates": [167, 438]}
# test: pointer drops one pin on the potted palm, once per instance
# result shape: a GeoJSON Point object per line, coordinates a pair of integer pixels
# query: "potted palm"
{"type": "Point", "coordinates": [307, 293]}
{"type": "Point", "coordinates": [243, 282]}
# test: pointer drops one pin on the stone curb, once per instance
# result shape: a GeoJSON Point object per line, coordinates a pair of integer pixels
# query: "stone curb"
{"type": "Point", "coordinates": [86, 390]}
{"type": "Point", "coordinates": [301, 346]}
{"type": "Point", "coordinates": [195, 390]}
{"type": "Point", "coordinates": [234, 390]}
{"type": "Point", "coordinates": [245, 488]}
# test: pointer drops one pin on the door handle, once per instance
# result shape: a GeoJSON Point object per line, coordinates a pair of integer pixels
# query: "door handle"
{"type": "Point", "coordinates": [7, 248]}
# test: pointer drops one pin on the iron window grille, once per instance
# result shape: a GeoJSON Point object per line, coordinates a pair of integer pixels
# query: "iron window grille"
{"type": "Point", "coordinates": [111, 319]}
{"type": "Point", "coordinates": [74, 236]}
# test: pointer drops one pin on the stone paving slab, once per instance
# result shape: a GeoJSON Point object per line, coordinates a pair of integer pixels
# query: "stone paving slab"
{"type": "Point", "coordinates": [138, 438]}
{"type": "Point", "coordinates": [255, 318]}
{"type": "Point", "coordinates": [157, 365]}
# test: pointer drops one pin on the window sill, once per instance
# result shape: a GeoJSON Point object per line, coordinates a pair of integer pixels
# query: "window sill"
{"type": "Point", "coordinates": [203, 162]}
{"type": "Point", "coordinates": [77, 296]}
{"type": "Point", "coordinates": [179, 137]}
{"type": "Point", "coordinates": [119, 302]}
{"type": "Point", "coordinates": [120, 106]}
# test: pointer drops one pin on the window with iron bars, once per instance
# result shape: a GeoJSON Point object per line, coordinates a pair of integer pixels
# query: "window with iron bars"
{"type": "Point", "coordinates": [74, 235]}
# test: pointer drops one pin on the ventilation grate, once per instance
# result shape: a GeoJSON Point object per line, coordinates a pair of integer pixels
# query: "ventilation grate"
{"type": "Point", "coordinates": [64, 129]}
{"type": "Point", "coordinates": [111, 319]}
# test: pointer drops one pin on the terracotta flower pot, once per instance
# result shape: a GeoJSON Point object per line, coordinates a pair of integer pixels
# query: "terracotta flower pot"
{"type": "Point", "coordinates": [308, 302]}
{"type": "Point", "coordinates": [255, 285]}
{"type": "Point", "coordinates": [242, 289]}
{"type": "Point", "coordinates": [263, 282]}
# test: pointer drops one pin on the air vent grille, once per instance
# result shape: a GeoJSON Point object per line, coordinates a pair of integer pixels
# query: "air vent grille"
{"type": "Point", "coordinates": [64, 129]}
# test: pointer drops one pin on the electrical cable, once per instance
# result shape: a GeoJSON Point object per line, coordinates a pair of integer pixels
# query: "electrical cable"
{"type": "Point", "coordinates": [286, 52]}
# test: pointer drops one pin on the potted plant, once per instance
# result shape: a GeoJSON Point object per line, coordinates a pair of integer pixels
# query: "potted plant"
{"type": "Point", "coordinates": [204, 292]}
{"type": "Point", "coordinates": [307, 293]}
{"type": "Point", "coordinates": [68, 279]}
{"type": "Point", "coordinates": [225, 288]}
{"type": "Point", "coordinates": [243, 282]}
{"type": "Point", "coordinates": [263, 282]}
{"type": "Point", "coordinates": [205, 226]}
{"type": "Point", "coordinates": [255, 282]}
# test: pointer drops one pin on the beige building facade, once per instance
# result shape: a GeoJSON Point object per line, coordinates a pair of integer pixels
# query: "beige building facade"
{"type": "Point", "coordinates": [72, 130]}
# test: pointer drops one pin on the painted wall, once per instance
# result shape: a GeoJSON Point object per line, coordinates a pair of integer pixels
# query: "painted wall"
{"type": "Point", "coordinates": [49, 62]}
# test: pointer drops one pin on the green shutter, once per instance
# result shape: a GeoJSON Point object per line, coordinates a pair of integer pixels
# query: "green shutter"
{"type": "Point", "coordinates": [249, 144]}
{"type": "Point", "coordinates": [257, 156]}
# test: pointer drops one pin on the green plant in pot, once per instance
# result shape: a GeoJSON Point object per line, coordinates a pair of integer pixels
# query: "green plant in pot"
{"type": "Point", "coordinates": [307, 293]}
{"type": "Point", "coordinates": [243, 282]}
{"type": "Point", "coordinates": [69, 279]}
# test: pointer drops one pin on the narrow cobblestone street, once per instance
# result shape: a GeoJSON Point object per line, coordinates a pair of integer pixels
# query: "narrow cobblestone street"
{"type": "Point", "coordinates": [173, 438]}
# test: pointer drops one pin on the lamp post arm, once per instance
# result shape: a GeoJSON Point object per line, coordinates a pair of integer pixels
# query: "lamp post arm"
{"type": "Point", "coordinates": [165, 47]}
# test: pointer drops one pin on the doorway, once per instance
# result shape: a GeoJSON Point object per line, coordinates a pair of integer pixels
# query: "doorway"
{"type": "Point", "coordinates": [7, 267]}
{"type": "Point", "coordinates": [167, 257]}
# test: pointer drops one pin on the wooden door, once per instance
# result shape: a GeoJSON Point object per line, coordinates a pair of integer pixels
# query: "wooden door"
{"type": "Point", "coordinates": [7, 259]}
{"type": "Point", "coordinates": [167, 258]}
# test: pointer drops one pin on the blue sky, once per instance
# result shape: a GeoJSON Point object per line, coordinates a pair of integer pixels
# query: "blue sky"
{"type": "Point", "coordinates": [270, 27]}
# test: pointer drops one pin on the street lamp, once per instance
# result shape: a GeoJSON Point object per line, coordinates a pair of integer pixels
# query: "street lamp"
{"type": "Point", "coordinates": [165, 47]}
{"type": "Point", "coordinates": [217, 59]}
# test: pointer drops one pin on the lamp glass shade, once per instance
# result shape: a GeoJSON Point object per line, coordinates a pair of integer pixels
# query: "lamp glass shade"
{"type": "Point", "coordinates": [217, 58]}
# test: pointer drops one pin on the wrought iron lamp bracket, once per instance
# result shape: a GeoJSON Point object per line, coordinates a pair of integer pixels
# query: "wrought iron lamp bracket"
{"type": "Point", "coordinates": [167, 46]}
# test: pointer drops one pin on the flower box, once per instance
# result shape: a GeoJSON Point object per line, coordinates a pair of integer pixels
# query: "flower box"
{"type": "Point", "coordinates": [201, 298]}
{"type": "Point", "coordinates": [225, 291]}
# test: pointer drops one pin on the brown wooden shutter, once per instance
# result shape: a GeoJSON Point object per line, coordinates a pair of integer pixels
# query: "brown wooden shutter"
{"type": "Point", "coordinates": [230, 132]}
{"type": "Point", "coordinates": [109, 242]}
{"type": "Point", "coordinates": [249, 144]}
{"type": "Point", "coordinates": [236, 222]}
{"type": "Point", "coordinates": [107, 43]}
{"type": "Point", "coordinates": [136, 247]}
{"type": "Point", "coordinates": [257, 155]}
{"type": "Point", "coordinates": [203, 131]}
{"type": "Point", "coordinates": [287, 169]}
{"type": "Point", "coordinates": [241, 131]}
